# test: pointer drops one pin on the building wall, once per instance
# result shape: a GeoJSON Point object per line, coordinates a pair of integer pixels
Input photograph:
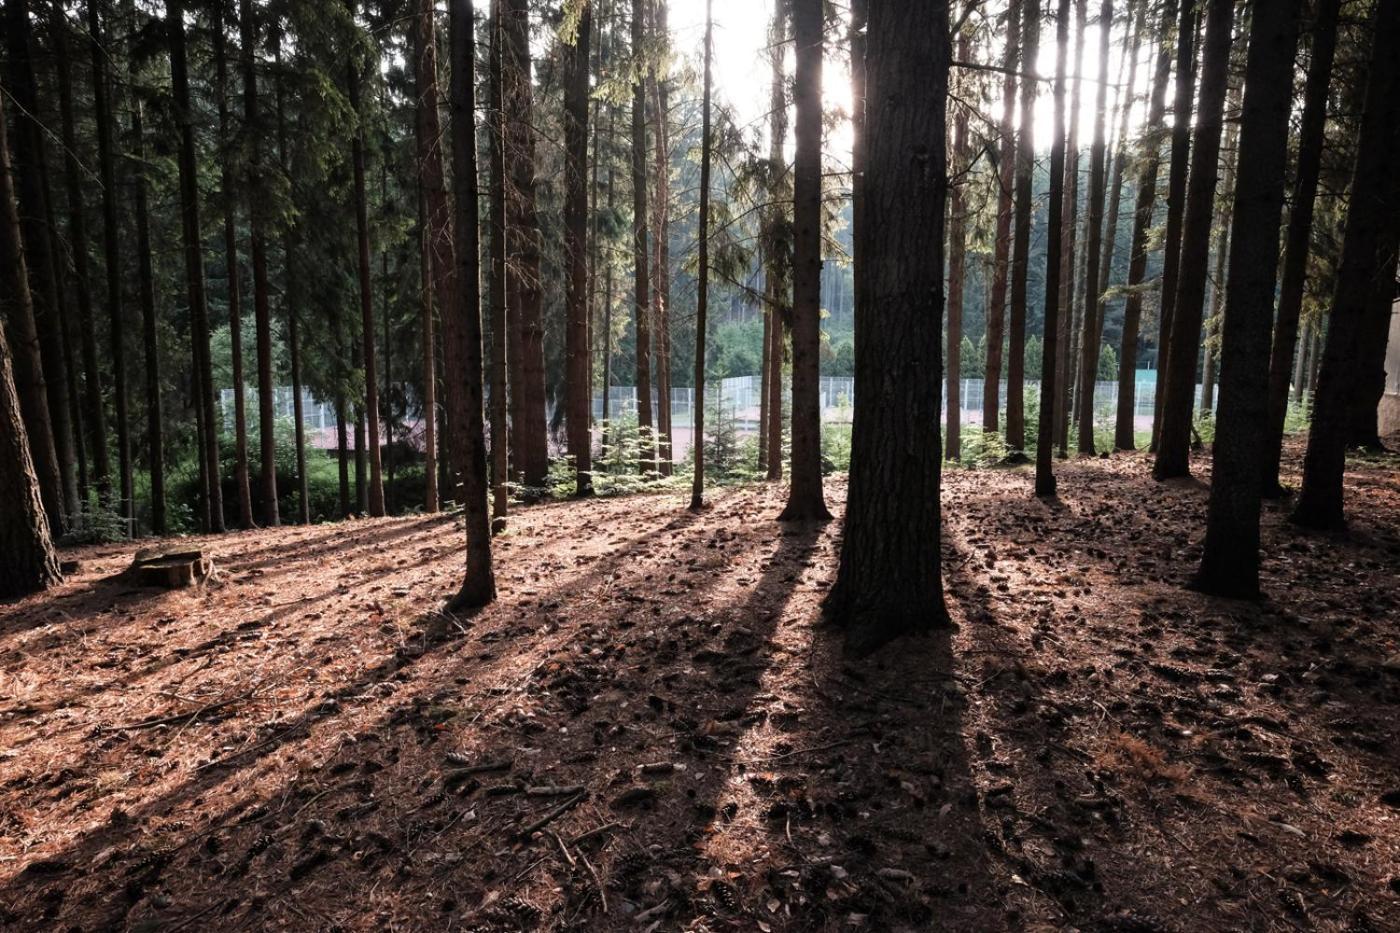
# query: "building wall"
{"type": "Point", "coordinates": [1390, 402]}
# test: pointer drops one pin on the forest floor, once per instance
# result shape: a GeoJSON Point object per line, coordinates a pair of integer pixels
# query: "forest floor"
{"type": "Point", "coordinates": [307, 743]}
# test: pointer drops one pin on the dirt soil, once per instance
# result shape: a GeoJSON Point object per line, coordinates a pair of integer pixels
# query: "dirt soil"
{"type": "Point", "coordinates": [651, 731]}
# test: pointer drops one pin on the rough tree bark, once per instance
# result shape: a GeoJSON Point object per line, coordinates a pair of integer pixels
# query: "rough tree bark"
{"type": "Point", "coordinates": [661, 225]}
{"type": "Point", "coordinates": [213, 500]}
{"type": "Point", "coordinates": [504, 348]}
{"type": "Point", "coordinates": [462, 324]}
{"type": "Point", "coordinates": [889, 582]}
{"type": "Point", "coordinates": [1230, 561]}
{"type": "Point", "coordinates": [1045, 436]}
{"type": "Point", "coordinates": [1025, 172]}
{"type": "Point", "coordinates": [1069, 195]}
{"type": "Point", "coordinates": [805, 501]}
{"type": "Point", "coordinates": [1174, 438]}
{"type": "Point", "coordinates": [641, 250]}
{"type": "Point", "coordinates": [1123, 425]}
{"type": "Point", "coordinates": [579, 392]}
{"type": "Point", "coordinates": [1367, 265]}
{"type": "Point", "coordinates": [292, 294]}
{"type": "Point", "coordinates": [35, 209]}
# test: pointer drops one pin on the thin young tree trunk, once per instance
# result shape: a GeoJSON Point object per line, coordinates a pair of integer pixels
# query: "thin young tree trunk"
{"type": "Point", "coordinates": [1006, 179]}
{"type": "Point", "coordinates": [462, 325]}
{"type": "Point", "coordinates": [1124, 429]}
{"type": "Point", "coordinates": [529, 432]}
{"type": "Point", "coordinates": [889, 582]}
{"type": "Point", "coordinates": [578, 393]}
{"type": "Point", "coordinates": [155, 427]}
{"type": "Point", "coordinates": [427, 328]}
{"type": "Point", "coordinates": [229, 197]}
{"type": "Point", "coordinates": [702, 300]}
{"type": "Point", "coordinates": [1093, 305]}
{"type": "Point", "coordinates": [1025, 171]}
{"type": "Point", "coordinates": [1045, 437]}
{"type": "Point", "coordinates": [641, 250]}
{"type": "Point", "coordinates": [957, 267]}
{"type": "Point", "coordinates": [94, 413]}
{"type": "Point", "coordinates": [437, 233]}
{"type": "Point", "coordinates": [375, 501]}
{"type": "Point", "coordinates": [111, 238]}
{"type": "Point", "coordinates": [608, 294]}
{"type": "Point", "coordinates": [36, 227]}
{"type": "Point", "coordinates": [1115, 186]}
{"type": "Point", "coordinates": [1217, 312]}
{"type": "Point", "coordinates": [1299, 237]}
{"type": "Point", "coordinates": [1300, 370]}
{"type": "Point", "coordinates": [1068, 320]}
{"type": "Point", "coordinates": [661, 267]}
{"type": "Point", "coordinates": [1230, 561]}
{"type": "Point", "coordinates": [342, 454]}
{"type": "Point", "coordinates": [292, 295]}
{"type": "Point", "coordinates": [504, 348]}
{"type": "Point", "coordinates": [778, 258]}
{"type": "Point", "coordinates": [257, 252]}
{"type": "Point", "coordinates": [805, 501]}
{"type": "Point", "coordinates": [194, 266]}
{"type": "Point", "coordinates": [1185, 90]}
{"type": "Point", "coordinates": [1174, 440]}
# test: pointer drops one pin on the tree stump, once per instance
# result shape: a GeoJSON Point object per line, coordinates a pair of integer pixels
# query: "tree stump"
{"type": "Point", "coordinates": [171, 569]}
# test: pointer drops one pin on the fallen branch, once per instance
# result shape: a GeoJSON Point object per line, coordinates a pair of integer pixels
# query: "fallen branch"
{"type": "Point", "coordinates": [551, 816]}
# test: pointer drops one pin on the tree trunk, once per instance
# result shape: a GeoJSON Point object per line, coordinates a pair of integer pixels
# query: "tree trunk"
{"type": "Point", "coordinates": [1176, 200]}
{"type": "Point", "coordinates": [1006, 179]}
{"type": "Point", "coordinates": [437, 235]}
{"type": "Point", "coordinates": [957, 268]}
{"type": "Point", "coordinates": [889, 582]}
{"type": "Point", "coordinates": [1093, 305]}
{"type": "Point", "coordinates": [229, 197]}
{"type": "Point", "coordinates": [504, 348]}
{"type": "Point", "coordinates": [1363, 415]}
{"type": "Point", "coordinates": [1045, 436]}
{"type": "Point", "coordinates": [194, 266]}
{"type": "Point", "coordinates": [777, 253]}
{"type": "Point", "coordinates": [661, 267]}
{"type": "Point", "coordinates": [93, 412]}
{"type": "Point", "coordinates": [462, 324]}
{"type": "Point", "coordinates": [702, 299]}
{"type": "Point", "coordinates": [1230, 562]}
{"type": "Point", "coordinates": [1120, 159]}
{"type": "Point", "coordinates": [1068, 320]}
{"type": "Point", "coordinates": [1365, 269]}
{"type": "Point", "coordinates": [36, 228]}
{"type": "Point", "coordinates": [579, 393]}
{"type": "Point", "coordinates": [257, 250]}
{"type": "Point", "coordinates": [529, 433]}
{"type": "Point", "coordinates": [292, 297]}
{"type": "Point", "coordinates": [640, 245]}
{"type": "Point", "coordinates": [375, 500]}
{"type": "Point", "coordinates": [30, 564]}
{"type": "Point", "coordinates": [805, 494]}
{"type": "Point", "coordinates": [155, 427]}
{"type": "Point", "coordinates": [111, 238]}
{"type": "Point", "coordinates": [1025, 172]}
{"type": "Point", "coordinates": [27, 386]}
{"type": "Point", "coordinates": [427, 331]}
{"type": "Point", "coordinates": [1174, 439]}
{"type": "Point", "coordinates": [1124, 429]}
